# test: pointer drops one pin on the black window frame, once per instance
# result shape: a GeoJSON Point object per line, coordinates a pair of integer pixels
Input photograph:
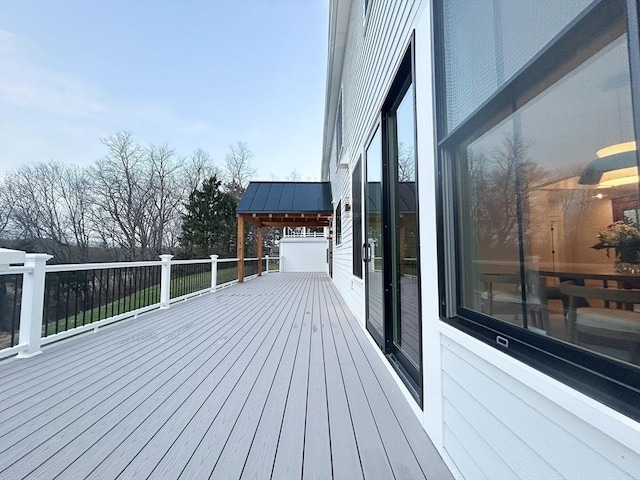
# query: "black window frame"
{"type": "Point", "coordinates": [356, 218]}
{"type": "Point", "coordinates": [613, 383]}
{"type": "Point", "coordinates": [338, 229]}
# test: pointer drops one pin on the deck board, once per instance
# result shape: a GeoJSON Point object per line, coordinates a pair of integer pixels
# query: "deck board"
{"type": "Point", "coordinates": [272, 378]}
{"type": "Point", "coordinates": [345, 454]}
{"type": "Point", "coordinates": [317, 447]}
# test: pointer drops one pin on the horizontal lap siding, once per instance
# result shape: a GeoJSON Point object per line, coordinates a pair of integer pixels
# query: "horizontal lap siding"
{"type": "Point", "coordinates": [372, 54]}
{"type": "Point", "coordinates": [497, 427]}
{"type": "Point", "coordinates": [343, 254]}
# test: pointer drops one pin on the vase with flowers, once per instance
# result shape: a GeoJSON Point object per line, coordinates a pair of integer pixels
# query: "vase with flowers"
{"type": "Point", "coordinates": [624, 238]}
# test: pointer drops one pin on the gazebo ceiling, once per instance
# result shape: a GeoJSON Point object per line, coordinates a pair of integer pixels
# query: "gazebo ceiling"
{"type": "Point", "coordinates": [288, 220]}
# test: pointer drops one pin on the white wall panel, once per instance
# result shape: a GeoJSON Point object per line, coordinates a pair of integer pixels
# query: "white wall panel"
{"type": "Point", "coordinates": [303, 255]}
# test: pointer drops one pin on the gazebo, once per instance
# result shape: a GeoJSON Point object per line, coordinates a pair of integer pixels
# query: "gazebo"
{"type": "Point", "coordinates": [281, 204]}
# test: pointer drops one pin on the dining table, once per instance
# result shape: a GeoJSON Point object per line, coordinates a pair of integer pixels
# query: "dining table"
{"type": "Point", "coordinates": [579, 274]}
{"type": "Point", "coordinates": [601, 273]}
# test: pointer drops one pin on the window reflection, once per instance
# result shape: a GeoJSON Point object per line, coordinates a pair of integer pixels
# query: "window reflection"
{"type": "Point", "coordinates": [529, 220]}
{"type": "Point", "coordinates": [373, 232]}
{"type": "Point", "coordinates": [407, 328]}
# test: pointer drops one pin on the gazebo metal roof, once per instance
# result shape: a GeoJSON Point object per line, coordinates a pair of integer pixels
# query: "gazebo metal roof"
{"type": "Point", "coordinates": [278, 204]}
{"type": "Point", "coordinates": [282, 204]}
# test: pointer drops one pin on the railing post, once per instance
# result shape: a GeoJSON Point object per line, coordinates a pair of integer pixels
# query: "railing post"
{"type": "Point", "coordinates": [280, 260]}
{"type": "Point", "coordinates": [266, 269]}
{"type": "Point", "coordinates": [165, 281]}
{"type": "Point", "coordinates": [214, 272]}
{"type": "Point", "coordinates": [32, 304]}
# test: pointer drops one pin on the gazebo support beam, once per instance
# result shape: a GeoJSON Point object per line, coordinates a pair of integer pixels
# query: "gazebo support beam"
{"type": "Point", "coordinates": [240, 251]}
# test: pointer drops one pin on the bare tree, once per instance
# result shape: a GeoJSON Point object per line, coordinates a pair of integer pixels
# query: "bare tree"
{"type": "Point", "coordinates": [165, 190]}
{"type": "Point", "coordinates": [406, 163]}
{"type": "Point", "coordinates": [130, 202]}
{"type": "Point", "coordinates": [197, 168]}
{"type": "Point", "coordinates": [120, 194]}
{"type": "Point", "coordinates": [77, 198]}
{"type": "Point", "coordinates": [49, 205]}
{"type": "Point", "coordinates": [294, 176]}
{"type": "Point", "coordinates": [6, 208]}
{"type": "Point", "coordinates": [237, 170]}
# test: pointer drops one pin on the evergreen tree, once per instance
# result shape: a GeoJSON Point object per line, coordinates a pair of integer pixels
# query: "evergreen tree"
{"type": "Point", "coordinates": [209, 225]}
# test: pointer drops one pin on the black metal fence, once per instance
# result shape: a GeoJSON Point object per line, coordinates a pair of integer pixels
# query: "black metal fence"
{"type": "Point", "coordinates": [10, 305]}
{"type": "Point", "coordinates": [81, 297]}
{"type": "Point", "coordinates": [227, 271]}
{"type": "Point", "coordinates": [250, 268]}
{"type": "Point", "coordinates": [189, 278]}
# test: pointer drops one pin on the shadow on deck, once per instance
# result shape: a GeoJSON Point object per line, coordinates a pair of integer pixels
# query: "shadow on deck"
{"type": "Point", "coordinates": [272, 378]}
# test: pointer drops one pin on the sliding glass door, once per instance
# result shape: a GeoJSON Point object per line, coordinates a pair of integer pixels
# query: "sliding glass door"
{"type": "Point", "coordinates": [373, 241]}
{"type": "Point", "coordinates": [404, 265]}
{"type": "Point", "coordinates": [391, 242]}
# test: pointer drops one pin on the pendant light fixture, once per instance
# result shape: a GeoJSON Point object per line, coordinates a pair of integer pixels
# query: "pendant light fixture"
{"type": "Point", "coordinates": [616, 165]}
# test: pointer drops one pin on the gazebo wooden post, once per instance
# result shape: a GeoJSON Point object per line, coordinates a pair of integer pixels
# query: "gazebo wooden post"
{"type": "Point", "coordinates": [240, 250]}
{"type": "Point", "coordinates": [259, 250]}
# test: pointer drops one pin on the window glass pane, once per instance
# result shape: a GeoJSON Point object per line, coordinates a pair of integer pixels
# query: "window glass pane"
{"type": "Point", "coordinates": [339, 223]}
{"type": "Point", "coordinates": [535, 192]}
{"type": "Point", "coordinates": [373, 234]}
{"type": "Point", "coordinates": [486, 42]}
{"type": "Point", "coordinates": [356, 224]}
{"type": "Point", "coordinates": [406, 330]}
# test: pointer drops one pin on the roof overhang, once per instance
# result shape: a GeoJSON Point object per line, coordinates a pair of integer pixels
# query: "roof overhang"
{"type": "Point", "coordinates": [339, 12]}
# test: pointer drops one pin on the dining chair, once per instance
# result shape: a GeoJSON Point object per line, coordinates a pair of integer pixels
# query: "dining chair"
{"type": "Point", "coordinates": [616, 327]}
{"type": "Point", "coordinates": [503, 295]}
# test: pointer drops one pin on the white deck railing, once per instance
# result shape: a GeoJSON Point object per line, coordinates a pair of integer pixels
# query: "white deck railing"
{"type": "Point", "coordinates": [47, 303]}
{"type": "Point", "coordinates": [298, 232]}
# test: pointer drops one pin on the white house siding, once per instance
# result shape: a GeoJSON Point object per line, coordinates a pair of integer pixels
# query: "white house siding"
{"type": "Point", "coordinates": [303, 255]}
{"type": "Point", "coordinates": [350, 286]}
{"type": "Point", "coordinates": [489, 415]}
{"type": "Point", "coordinates": [366, 76]}
{"type": "Point", "coordinates": [504, 420]}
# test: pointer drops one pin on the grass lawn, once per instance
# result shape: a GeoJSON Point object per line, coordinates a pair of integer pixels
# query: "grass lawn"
{"type": "Point", "coordinates": [143, 298]}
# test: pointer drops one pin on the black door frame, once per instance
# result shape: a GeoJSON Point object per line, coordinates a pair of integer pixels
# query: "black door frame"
{"type": "Point", "coordinates": [404, 78]}
{"type": "Point", "coordinates": [367, 260]}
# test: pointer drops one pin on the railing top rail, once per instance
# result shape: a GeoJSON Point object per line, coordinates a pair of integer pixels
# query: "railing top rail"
{"type": "Point", "coordinates": [70, 267]}
{"type": "Point", "coordinates": [188, 262]}
{"type": "Point", "coordinates": [15, 270]}
{"type": "Point", "coordinates": [227, 260]}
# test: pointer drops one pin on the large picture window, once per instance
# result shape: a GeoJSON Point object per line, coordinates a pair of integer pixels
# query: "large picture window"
{"type": "Point", "coordinates": [539, 163]}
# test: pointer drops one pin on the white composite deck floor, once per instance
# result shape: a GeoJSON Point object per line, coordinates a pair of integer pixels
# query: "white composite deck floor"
{"type": "Point", "coordinates": [272, 378]}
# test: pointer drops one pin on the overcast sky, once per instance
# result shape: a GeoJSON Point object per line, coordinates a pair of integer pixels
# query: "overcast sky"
{"type": "Point", "coordinates": [193, 74]}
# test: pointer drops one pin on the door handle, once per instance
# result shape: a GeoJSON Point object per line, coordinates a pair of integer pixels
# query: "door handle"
{"type": "Point", "coordinates": [366, 252]}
